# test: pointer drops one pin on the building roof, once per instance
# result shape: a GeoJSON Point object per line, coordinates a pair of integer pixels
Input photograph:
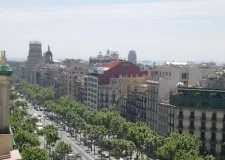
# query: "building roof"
{"type": "Point", "coordinates": [120, 68]}
{"type": "Point", "coordinates": [113, 63]}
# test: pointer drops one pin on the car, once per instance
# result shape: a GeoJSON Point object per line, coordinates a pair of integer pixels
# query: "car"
{"type": "Point", "coordinates": [71, 157]}
{"type": "Point", "coordinates": [78, 155]}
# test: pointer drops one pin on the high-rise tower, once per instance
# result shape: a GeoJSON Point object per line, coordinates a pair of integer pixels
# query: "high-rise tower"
{"type": "Point", "coordinates": [132, 57]}
{"type": "Point", "coordinates": [34, 58]}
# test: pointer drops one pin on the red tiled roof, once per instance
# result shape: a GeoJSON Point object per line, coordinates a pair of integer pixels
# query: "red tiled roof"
{"type": "Point", "coordinates": [113, 63]}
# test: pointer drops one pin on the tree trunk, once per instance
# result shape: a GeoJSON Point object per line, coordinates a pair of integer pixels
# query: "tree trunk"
{"type": "Point", "coordinates": [94, 149]}
{"type": "Point", "coordinates": [91, 145]}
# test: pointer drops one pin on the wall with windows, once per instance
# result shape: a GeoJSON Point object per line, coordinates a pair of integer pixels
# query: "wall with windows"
{"type": "Point", "coordinates": [91, 91]}
{"type": "Point", "coordinates": [207, 124]}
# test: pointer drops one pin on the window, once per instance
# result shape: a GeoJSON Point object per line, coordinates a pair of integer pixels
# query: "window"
{"type": "Point", "coordinates": [203, 124]}
{"type": "Point", "coordinates": [192, 124]}
{"type": "Point", "coordinates": [192, 115]}
{"type": "Point", "coordinates": [180, 131]}
{"type": "Point", "coordinates": [169, 73]}
{"type": "Point", "coordinates": [203, 116]}
{"type": "Point", "coordinates": [214, 116]}
{"type": "Point", "coordinates": [202, 136]}
{"type": "Point", "coordinates": [213, 137]}
{"type": "Point", "coordinates": [184, 76]}
{"type": "Point", "coordinates": [213, 126]}
{"type": "Point", "coordinates": [180, 114]}
{"type": "Point", "coordinates": [180, 123]}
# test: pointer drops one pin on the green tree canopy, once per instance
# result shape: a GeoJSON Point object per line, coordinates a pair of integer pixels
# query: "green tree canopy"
{"type": "Point", "coordinates": [34, 153]}
{"type": "Point", "coordinates": [23, 138]}
{"type": "Point", "coordinates": [178, 146]}
{"type": "Point", "coordinates": [62, 149]}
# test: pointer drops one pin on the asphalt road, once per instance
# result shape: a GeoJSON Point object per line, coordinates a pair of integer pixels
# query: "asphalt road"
{"type": "Point", "coordinates": [64, 136]}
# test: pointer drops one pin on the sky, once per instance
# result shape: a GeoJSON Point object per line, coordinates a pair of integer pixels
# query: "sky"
{"type": "Point", "coordinates": [157, 29]}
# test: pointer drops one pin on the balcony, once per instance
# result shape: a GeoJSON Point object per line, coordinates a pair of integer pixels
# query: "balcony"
{"type": "Point", "coordinates": [180, 126]}
{"type": "Point", "coordinates": [213, 129]}
{"type": "Point", "coordinates": [191, 127]}
{"type": "Point", "coordinates": [213, 141]}
{"type": "Point", "coordinates": [202, 138]}
{"type": "Point", "coordinates": [191, 117]}
{"type": "Point", "coordinates": [202, 128]}
{"type": "Point", "coordinates": [181, 116]}
{"type": "Point", "coordinates": [171, 124]}
{"type": "Point", "coordinates": [203, 118]}
{"type": "Point", "coordinates": [171, 115]}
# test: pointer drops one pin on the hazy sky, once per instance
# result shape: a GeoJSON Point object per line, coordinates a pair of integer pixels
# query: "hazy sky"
{"type": "Point", "coordinates": [156, 29]}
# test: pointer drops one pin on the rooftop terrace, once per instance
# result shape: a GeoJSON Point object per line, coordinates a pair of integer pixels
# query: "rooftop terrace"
{"type": "Point", "coordinates": [198, 98]}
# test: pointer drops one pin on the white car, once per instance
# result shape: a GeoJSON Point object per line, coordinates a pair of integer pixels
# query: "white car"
{"type": "Point", "coordinates": [39, 126]}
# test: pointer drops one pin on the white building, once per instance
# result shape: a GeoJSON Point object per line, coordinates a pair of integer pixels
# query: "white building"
{"type": "Point", "coordinates": [183, 72]}
{"type": "Point", "coordinates": [165, 78]}
{"type": "Point", "coordinates": [196, 111]}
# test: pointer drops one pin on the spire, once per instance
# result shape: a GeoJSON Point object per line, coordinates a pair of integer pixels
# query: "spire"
{"type": "Point", "coordinates": [48, 48]}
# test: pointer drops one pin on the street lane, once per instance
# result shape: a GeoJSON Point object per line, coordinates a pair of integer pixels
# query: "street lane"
{"type": "Point", "coordinates": [75, 147]}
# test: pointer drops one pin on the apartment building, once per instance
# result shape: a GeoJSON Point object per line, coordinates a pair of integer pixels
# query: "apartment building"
{"type": "Point", "coordinates": [104, 86]}
{"type": "Point", "coordinates": [74, 70]}
{"type": "Point", "coordinates": [143, 100]}
{"type": "Point", "coordinates": [79, 89]}
{"type": "Point", "coordinates": [136, 104]}
{"type": "Point", "coordinates": [196, 111]}
{"type": "Point", "coordinates": [166, 77]}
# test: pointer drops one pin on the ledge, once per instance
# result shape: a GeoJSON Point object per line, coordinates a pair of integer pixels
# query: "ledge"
{"type": "Point", "coordinates": [6, 143]}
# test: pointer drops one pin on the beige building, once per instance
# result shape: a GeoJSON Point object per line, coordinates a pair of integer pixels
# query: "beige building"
{"type": "Point", "coordinates": [74, 70]}
{"type": "Point", "coordinates": [196, 111]}
{"type": "Point", "coordinates": [186, 73]}
{"type": "Point", "coordinates": [62, 77]}
{"type": "Point", "coordinates": [133, 106]}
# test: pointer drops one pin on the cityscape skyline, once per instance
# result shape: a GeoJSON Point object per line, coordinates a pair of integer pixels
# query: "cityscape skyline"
{"type": "Point", "coordinates": [162, 30]}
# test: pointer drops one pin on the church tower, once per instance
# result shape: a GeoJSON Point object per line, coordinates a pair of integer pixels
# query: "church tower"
{"type": "Point", "coordinates": [48, 56]}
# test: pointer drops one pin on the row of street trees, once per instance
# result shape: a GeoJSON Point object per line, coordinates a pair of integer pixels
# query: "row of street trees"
{"type": "Point", "coordinates": [110, 131]}
{"type": "Point", "coordinates": [35, 92]}
{"type": "Point", "coordinates": [23, 126]}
